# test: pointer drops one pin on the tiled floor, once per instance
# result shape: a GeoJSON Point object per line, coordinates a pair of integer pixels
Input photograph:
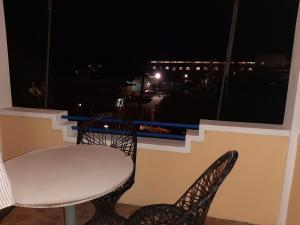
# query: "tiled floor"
{"type": "Point", "coordinates": [26, 216]}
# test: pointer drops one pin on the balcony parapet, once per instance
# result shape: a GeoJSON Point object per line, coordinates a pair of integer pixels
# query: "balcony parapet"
{"type": "Point", "coordinates": [59, 122]}
{"type": "Point", "coordinates": [54, 115]}
{"type": "Point", "coordinates": [242, 128]}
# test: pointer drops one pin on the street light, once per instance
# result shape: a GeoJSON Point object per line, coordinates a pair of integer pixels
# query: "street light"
{"type": "Point", "coordinates": [228, 54]}
{"type": "Point", "coordinates": [48, 53]}
{"type": "Point", "coordinates": [157, 75]}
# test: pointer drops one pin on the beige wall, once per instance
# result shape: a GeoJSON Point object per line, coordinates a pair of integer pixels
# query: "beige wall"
{"type": "Point", "coordinates": [23, 134]}
{"type": "Point", "coordinates": [293, 217]}
{"type": "Point", "coordinates": [251, 193]}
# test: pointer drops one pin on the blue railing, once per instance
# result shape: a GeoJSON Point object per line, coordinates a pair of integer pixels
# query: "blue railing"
{"type": "Point", "coordinates": [140, 122]}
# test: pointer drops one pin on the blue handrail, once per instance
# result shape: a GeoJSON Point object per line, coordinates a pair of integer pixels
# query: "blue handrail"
{"type": "Point", "coordinates": [140, 122]}
{"type": "Point", "coordinates": [136, 122]}
{"type": "Point", "coordinates": [139, 133]}
{"type": "Point", "coordinates": [163, 136]}
{"type": "Point", "coordinates": [165, 124]}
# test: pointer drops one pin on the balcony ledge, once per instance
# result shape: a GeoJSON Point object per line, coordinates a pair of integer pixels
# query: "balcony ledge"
{"type": "Point", "coordinates": [153, 143]}
{"type": "Point", "coordinates": [244, 128]}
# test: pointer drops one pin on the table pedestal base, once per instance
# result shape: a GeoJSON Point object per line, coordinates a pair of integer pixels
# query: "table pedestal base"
{"type": "Point", "coordinates": [70, 215]}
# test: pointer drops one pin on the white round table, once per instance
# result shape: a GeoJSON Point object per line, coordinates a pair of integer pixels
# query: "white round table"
{"type": "Point", "coordinates": [67, 175]}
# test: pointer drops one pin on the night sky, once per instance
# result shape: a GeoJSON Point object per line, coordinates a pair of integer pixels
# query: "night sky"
{"type": "Point", "coordinates": [125, 35]}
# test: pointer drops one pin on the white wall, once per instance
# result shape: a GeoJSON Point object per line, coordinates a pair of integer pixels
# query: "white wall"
{"type": "Point", "coordinates": [293, 79]}
{"type": "Point", "coordinates": [292, 122]}
{"type": "Point", "coordinates": [5, 90]}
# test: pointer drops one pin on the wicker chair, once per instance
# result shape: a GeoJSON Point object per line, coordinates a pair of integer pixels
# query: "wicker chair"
{"type": "Point", "coordinates": [111, 131]}
{"type": "Point", "coordinates": [193, 205]}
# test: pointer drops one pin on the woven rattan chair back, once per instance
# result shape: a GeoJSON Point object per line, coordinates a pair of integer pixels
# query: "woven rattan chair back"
{"type": "Point", "coordinates": [111, 131]}
{"type": "Point", "coordinates": [197, 199]}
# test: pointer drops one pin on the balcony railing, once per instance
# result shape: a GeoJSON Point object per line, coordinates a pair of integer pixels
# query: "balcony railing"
{"type": "Point", "coordinates": [140, 123]}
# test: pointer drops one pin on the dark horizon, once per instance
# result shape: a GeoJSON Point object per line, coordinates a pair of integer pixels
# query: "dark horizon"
{"type": "Point", "coordinates": [131, 34]}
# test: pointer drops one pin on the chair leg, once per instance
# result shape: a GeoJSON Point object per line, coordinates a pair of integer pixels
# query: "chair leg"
{"type": "Point", "coordinates": [105, 213]}
{"type": "Point", "coordinates": [5, 212]}
{"type": "Point", "coordinates": [106, 219]}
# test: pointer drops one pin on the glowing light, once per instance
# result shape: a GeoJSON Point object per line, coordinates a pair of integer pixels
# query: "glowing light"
{"type": "Point", "coordinates": [198, 68]}
{"type": "Point", "coordinates": [186, 75]}
{"type": "Point", "coordinates": [167, 68]}
{"type": "Point", "coordinates": [120, 102]}
{"type": "Point", "coordinates": [106, 126]}
{"type": "Point", "coordinates": [157, 75]}
{"type": "Point", "coordinates": [79, 104]}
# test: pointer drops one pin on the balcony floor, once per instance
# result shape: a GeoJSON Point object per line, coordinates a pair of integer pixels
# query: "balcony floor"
{"type": "Point", "coordinates": [27, 216]}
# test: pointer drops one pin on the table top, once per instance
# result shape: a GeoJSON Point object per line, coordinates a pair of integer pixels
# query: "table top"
{"type": "Point", "coordinates": [67, 175]}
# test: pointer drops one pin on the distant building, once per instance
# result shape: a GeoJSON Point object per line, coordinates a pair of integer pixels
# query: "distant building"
{"type": "Point", "coordinates": [198, 67]}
